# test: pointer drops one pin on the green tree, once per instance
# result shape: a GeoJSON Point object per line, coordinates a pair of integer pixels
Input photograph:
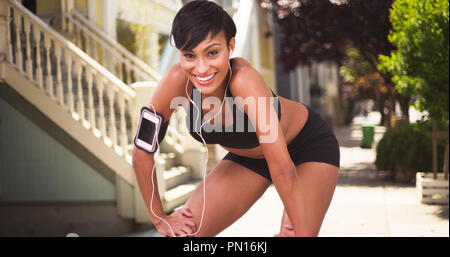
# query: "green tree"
{"type": "Point", "coordinates": [420, 62]}
{"type": "Point", "coordinates": [318, 30]}
{"type": "Point", "coordinates": [367, 82]}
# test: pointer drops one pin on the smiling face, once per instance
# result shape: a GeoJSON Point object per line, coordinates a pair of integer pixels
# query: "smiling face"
{"type": "Point", "coordinates": [207, 64]}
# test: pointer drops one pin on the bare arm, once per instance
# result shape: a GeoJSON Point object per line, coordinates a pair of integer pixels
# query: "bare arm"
{"type": "Point", "coordinates": [289, 190]}
{"type": "Point", "coordinates": [282, 170]}
{"type": "Point", "coordinates": [143, 164]}
{"type": "Point", "coordinates": [170, 87]}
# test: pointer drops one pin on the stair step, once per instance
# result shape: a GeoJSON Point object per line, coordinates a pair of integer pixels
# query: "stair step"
{"type": "Point", "coordinates": [167, 160]}
{"type": "Point", "coordinates": [178, 196]}
{"type": "Point", "coordinates": [176, 176]}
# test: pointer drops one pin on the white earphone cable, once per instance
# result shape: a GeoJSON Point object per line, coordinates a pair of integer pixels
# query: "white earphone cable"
{"type": "Point", "coordinates": [207, 154]}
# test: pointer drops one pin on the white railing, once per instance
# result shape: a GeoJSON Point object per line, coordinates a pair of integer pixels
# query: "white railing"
{"type": "Point", "coordinates": [88, 91]}
{"type": "Point", "coordinates": [106, 51]}
{"type": "Point", "coordinates": [242, 19]}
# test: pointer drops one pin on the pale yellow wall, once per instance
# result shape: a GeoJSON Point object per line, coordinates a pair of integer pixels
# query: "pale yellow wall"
{"type": "Point", "coordinates": [266, 43]}
{"type": "Point", "coordinates": [267, 55]}
{"type": "Point", "coordinates": [81, 3]}
{"type": "Point", "coordinates": [266, 48]}
{"type": "Point", "coordinates": [98, 13]}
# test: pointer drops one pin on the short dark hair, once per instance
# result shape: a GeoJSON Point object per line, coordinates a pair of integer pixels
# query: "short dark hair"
{"type": "Point", "coordinates": [195, 20]}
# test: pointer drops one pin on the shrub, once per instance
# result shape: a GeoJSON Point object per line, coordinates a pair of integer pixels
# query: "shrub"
{"type": "Point", "coordinates": [406, 149]}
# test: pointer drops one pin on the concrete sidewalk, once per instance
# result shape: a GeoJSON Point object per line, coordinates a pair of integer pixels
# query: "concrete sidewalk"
{"type": "Point", "coordinates": [364, 202]}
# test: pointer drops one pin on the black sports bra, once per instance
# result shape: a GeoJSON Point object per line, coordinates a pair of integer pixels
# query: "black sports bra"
{"type": "Point", "coordinates": [229, 136]}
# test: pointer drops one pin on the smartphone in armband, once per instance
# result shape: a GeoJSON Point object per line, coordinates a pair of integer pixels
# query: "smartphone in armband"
{"type": "Point", "coordinates": [148, 130]}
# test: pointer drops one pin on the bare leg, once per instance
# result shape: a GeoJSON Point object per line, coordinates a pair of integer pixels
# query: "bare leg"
{"type": "Point", "coordinates": [231, 190]}
{"type": "Point", "coordinates": [317, 182]}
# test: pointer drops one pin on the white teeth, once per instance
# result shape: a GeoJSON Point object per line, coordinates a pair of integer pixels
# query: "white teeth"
{"type": "Point", "coordinates": [205, 78]}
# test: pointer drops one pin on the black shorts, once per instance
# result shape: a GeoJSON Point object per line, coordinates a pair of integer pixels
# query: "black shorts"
{"type": "Point", "coordinates": [316, 142]}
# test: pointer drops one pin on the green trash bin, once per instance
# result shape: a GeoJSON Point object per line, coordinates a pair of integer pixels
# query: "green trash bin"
{"type": "Point", "coordinates": [368, 132]}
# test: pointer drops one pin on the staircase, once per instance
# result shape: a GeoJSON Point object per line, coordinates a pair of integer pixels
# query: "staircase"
{"type": "Point", "coordinates": [83, 82]}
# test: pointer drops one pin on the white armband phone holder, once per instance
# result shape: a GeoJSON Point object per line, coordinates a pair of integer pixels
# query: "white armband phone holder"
{"type": "Point", "coordinates": [148, 130]}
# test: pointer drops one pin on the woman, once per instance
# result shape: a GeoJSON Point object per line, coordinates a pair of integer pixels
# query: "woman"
{"type": "Point", "coordinates": [301, 160]}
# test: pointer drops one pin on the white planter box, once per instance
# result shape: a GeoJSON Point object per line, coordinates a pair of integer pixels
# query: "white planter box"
{"type": "Point", "coordinates": [432, 190]}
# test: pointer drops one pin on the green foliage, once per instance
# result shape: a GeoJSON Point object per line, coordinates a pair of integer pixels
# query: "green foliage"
{"type": "Point", "coordinates": [407, 148]}
{"type": "Point", "coordinates": [355, 66]}
{"type": "Point", "coordinates": [366, 81]}
{"type": "Point", "coordinates": [421, 62]}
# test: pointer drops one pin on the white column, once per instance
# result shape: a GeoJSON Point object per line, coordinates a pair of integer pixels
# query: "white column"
{"type": "Point", "coordinates": [63, 18]}
{"type": "Point", "coordinates": [154, 49]}
{"type": "Point", "coordinates": [69, 5]}
{"type": "Point", "coordinates": [48, 63]}
{"type": "Point", "coordinates": [17, 25]}
{"type": "Point", "coordinates": [37, 40]}
{"type": "Point", "coordinates": [102, 119]}
{"type": "Point", "coordinates": [59, 84]}
{"type": "Point", "coordinates": [304, 84]}
{"type": "Point", "coordinates": [91, 110]}
{"type": "Point", "coordinates": [5, 38]}
{"type": "Point", "coordinates": [109, 17]}
{"type": "Point", "coordinates": [80, 101]}
{"type": "Point", "coordinates": [112, 132]}
{"type": "Point", "coordinates": [29, 63]}
{"type": "Point", "coordinates": [91, 11]}
{"type": "Point", "coordinates": [123, 126]}
{"type": "Point", "coordinates": [255, 42]}
{"type": "Point", "coordinates": [70, 96]}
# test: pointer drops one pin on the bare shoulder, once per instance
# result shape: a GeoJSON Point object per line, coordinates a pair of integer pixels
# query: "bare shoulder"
{"type": "Point", "coordinates": [175, 77]}
{"type": "Point", "coordinates": [246, 80]}
{"type": "Point", "coordinates": [240, 63]}
{"type": "Point", "coordinates": [172, 84]}
{"type": "Point", "coordinates": [170, 89]}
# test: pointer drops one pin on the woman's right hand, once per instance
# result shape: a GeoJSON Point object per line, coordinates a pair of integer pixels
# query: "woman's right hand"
{"type": "Point", "coordinates": [180, 221]}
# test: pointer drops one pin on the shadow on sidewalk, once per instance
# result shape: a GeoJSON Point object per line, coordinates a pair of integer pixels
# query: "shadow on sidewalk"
{"type": "Point", "coordinates": [368, 178]}
{"type": "Point", "coordinates": [358, 164]}
{"type": "Point", "coordinates": [442, 212]}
